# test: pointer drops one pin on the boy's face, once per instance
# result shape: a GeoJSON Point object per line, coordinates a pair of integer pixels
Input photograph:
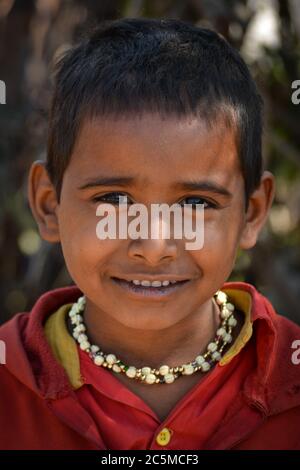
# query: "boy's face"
{"type": "Point", "coordinates": [158, 155]}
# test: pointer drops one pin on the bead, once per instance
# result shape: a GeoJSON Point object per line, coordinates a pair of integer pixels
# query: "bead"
{"type": "Point", "coordinates": [131, 372]}
{"type": "Point", "coordinates": [95, 348]}
{"type": "Point", "coordinates": [221, 297]}
{"type": "Point", "coordinates": [116, 368]}
{"type": "Point", "coordinates": [221, 332]}
{"type": "Point", "coordinates": [81, 301]}
{"type": "Point", "coordinates": [79, 328]}
{"type": "Point", "coordinates": [230, 307]}
{"type": "Point", "coordinates": [225, 313]}
{"type": "Point", "coordinates": [200, 359]}
{"type": "Point", "coordinates": [150, 378]}
{"type": "Point", "coordinates": [75, 335]}
{"type": "Point", "coordinates": [82, 337]}
{"type": "Point", "coordinates": [227, 338]}
{"type": "Point", "coordinates": [146, 370]}
{"type": "Point", "coordinates": [169, 378]}
{"type": "Point", "coordinates": [216, 356]}
{"type": "Point", "coordinates": [205, 366]}
{"type": "Point", "coordinates": [163, 370]}
{"type": "Point", "coordinates": [212, 347]}
{"type": "Point", "coordinates": [98, 360]}
{"type": "Point", "coordinates": [111, 358]}
{"type": "Point", "coordinates": [188, 369]}
{"type": "Point", "coordinates": [232, 321]}
{"type": "Point", "coordinates": [84, 345]}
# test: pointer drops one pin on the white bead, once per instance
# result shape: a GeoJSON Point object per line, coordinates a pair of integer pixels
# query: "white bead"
{"type": "Point", "coordinates": [95, 348]}
{"type": "Point", "coordinates": [205, 366]}
{"type": "Point", "coordinates": [79, 318]}
{"type": "Point", "coordinates": [169, 378]}
{"type": "Point", "coordinates": [212, 347]}
{"type": "Point", "coordinates": [188, 369]}
{"type": "Point", "coordinates": [79, 328]}
{"type": "Point", "coordinates": [200, 359]}
{"type": "Point", "coordinates": [98, 360]}
{"type": "Point", "coordinates": [131, 372]}
{"type": "Point", "coordinates": [227, 338]}
{"type": "Point", "coordinates": [116, 368]}
{"type": "Point", "coordinates": [221, 332]}
{"type": "Point", "coordinates": [164, 370]}
{"type": "Point", "coordinates": [146, 370]}
{"type": "Point", "coordinates": [75, 335]}
{"type": "Point", "coordinates": [84, 345]}
{"type": "Point", "coordinates": [216, 356]}
{"type": "Point", "coordinates": [111, 359]}
{"type": "Point", "coordinates": [221, 297]}
{"type": "Point", "coordinates": [232, 321]}
{"type": "Point", "coordinates": [82, 337]}
{"type": "Point", "coordinates": [150, 379]}
{"type": "Point", "coordinates": [81, 300]}
{"type": "Point", "coordinates": [230, 306]}
{"type": "Point", "coordinates": [225, 313]}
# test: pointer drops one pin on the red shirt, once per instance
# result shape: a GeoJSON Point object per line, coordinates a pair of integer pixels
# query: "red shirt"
{"type": "Point", "coordinates": [126, 422]}
{"type": "Point", "coordinates": [252, 402]}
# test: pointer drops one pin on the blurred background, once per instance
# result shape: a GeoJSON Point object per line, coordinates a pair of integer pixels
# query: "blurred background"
{"type": "Point", "coordinates": [33, 32]}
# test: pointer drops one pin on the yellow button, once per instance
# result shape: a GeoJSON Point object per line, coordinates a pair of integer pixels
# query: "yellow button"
{"type": "Point", "coordinates": [164, 437]}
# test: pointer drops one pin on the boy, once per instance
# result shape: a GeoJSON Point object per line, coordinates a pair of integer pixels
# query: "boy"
{"type": "Point", "coordinates": [152, 348]}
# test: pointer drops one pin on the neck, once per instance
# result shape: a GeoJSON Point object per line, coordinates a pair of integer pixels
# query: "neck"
{"type": "Point", "coordinates": [180, 343]}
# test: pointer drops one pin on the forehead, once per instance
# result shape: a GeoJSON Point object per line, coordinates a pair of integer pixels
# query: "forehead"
{"type": "Point", "coordinates": [156, 149]}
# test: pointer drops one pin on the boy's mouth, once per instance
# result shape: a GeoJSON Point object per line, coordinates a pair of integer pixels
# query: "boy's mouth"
{"type": "Point", "coordinates": [147, 288]}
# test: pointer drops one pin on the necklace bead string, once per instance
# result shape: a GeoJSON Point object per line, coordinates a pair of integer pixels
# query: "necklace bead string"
{"type": "Point", "coordinates": [164, 374]}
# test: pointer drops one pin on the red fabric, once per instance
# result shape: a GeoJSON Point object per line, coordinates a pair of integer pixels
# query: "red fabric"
{"type": "Point", "coordinates": [251, 403]}
{"type": "Point", "coordinates": [127, 422]}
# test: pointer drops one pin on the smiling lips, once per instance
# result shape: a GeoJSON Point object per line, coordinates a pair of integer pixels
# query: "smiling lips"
{"type": "Point", "coordinates": [147, 288]}
{"type": "Point", "coordinates": [153, 283]}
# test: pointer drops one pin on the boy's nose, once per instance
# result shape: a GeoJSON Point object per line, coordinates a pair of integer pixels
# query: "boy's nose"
{"type": "Point", "coordinates": [153, 251]}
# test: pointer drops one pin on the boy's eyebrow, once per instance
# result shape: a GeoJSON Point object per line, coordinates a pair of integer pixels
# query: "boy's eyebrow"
{"type": "Point", "coordinates": [108, 181]}
{"type": "Point", "coordinates": [204, 185]}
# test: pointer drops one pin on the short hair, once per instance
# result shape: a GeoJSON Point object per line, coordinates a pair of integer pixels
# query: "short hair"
{"type": "Point", "coordinates": [139, 65]}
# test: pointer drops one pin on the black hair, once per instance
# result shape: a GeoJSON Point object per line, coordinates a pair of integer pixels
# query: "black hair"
{"type": "Point", "coordinates": [133, 66]}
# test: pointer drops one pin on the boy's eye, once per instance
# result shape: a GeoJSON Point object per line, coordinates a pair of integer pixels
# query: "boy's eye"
{"type": "Point", "coordinates": [120, 198]}
{"type": "Point", "coordinates": [112, 198]}
{"type": "Point", "coordinates": [200, 200]}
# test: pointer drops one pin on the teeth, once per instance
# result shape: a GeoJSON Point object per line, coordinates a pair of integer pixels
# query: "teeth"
{"type": "Point", "coordinates": [152, 284]}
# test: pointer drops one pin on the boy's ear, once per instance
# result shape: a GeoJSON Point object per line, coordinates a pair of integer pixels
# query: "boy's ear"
{"type": "Point", "coordinates": [43, 201]}
{"type": "Point", "coordinates": [260, 203]}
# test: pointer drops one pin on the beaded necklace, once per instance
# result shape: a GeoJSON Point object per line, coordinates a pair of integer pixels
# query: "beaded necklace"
{"type": "Point", "coordinates": [164, 374]}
